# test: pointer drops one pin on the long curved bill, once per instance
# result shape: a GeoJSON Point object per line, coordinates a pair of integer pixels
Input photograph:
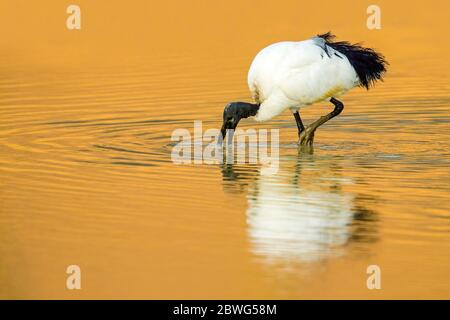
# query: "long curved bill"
{"type": "Point", "coordinates": [227, 127]}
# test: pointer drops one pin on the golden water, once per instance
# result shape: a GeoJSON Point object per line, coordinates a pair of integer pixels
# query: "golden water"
{"type": "Point", "coordinates": [86, 175]}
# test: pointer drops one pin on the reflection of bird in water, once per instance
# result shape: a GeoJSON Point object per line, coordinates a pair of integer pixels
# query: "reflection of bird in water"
{"type": "Point", "coordinates": [285, 221]}
{"type": "Point", "coordinates": [303, 214]}
{"type": "Point", "coordinates": [292, 75]}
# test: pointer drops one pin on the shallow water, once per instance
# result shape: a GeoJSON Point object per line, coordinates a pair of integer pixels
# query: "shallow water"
{"type": "Point", "coordinates": [86, 119]}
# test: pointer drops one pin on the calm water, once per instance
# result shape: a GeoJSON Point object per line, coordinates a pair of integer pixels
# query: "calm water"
{"type": "Point", "coordinates": [85, 156]}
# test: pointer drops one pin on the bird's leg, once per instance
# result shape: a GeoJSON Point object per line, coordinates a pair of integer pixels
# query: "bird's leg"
{"type": "Point", "coordinates": [307, 136]}
{"type": "Point", "coordinates": [300, 125]}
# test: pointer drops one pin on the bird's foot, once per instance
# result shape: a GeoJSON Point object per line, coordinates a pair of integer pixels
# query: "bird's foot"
{"type": "Point", "coordinates": [306, 140]}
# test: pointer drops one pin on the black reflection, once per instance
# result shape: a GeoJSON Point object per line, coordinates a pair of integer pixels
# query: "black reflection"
{"type": "Point", "coordinates": [237, 178]}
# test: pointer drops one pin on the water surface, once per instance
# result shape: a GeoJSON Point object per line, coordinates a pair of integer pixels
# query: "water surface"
{"type": "Point", "coordinates": [86, 119]}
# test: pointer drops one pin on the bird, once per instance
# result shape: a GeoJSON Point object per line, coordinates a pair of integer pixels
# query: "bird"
{"type": "Point", "coordinates": [295, 74]}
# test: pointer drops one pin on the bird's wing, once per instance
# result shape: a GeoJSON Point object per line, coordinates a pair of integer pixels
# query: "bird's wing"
{"type": "Point", "coordinates": [294, 74]}
{"type": "Point", "coordinates": [278, 62]}
{"type": "Point", "coordinates": [314, 72]}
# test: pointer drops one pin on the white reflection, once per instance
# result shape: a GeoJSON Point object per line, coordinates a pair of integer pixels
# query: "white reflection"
{"type": "Point", "coordinates": [300, 214]}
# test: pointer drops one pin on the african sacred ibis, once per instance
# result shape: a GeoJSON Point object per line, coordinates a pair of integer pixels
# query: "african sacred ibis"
{"type": "Point", "coordinates": [292, 75]}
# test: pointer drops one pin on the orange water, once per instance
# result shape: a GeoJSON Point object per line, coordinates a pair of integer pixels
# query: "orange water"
{"type": "Point", "coordinates": [86, 119]}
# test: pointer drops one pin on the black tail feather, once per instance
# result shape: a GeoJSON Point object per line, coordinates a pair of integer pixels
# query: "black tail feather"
{"type": "Point", "coordinates": [369, 65]}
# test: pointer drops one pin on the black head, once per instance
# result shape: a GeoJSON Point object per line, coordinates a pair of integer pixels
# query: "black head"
{"type": "Point", "coordinates": [234, 112]}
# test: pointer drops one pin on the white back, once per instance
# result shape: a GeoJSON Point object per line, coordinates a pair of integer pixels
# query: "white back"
{"type": "Point", "coordinates": [296, 74]}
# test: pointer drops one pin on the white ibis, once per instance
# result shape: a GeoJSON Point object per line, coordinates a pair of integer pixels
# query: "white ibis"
{"type": "Point", "coordinates": [292, 75]}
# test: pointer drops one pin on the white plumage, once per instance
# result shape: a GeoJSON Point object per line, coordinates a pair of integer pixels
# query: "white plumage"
{"type": "Point", "coordinates": [291, 75]}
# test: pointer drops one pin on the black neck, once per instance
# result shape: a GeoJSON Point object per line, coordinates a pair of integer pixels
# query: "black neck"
{"type": "Point", "coordinates": [245, 109]}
